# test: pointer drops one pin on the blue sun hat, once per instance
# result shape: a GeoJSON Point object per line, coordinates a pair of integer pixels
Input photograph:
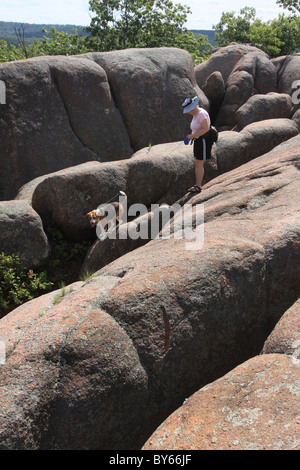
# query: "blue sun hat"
{"type": "Point", "coordinates": [190, 104]}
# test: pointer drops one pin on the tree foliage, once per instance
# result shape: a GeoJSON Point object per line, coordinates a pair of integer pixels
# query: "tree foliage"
{"type": "Point", "coordinates": [232, 28]}
{"type": "Point", "coordinates": [18, 284]}
{"type": "Point", "coordinates": [122, 24]}
{"type": "Point", "coordinates": [275, 37]}
{"type": "Point", "coordinates": [58, 43]}
{"type": "Point", "coordinates": [118, 24]}
{"type": "Point", "coordinates": [291, 5]}
{"type": "Point", "coordinates": [53, 43]}
{"type": "Point", "coordinates": [10, 52]}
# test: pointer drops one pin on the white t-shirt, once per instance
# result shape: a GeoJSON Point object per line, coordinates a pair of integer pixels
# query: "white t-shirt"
{"type": "Point", "coordinates": [198, 118]}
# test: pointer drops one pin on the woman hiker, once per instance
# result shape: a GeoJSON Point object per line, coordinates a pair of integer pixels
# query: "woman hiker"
{"type": "Point", "coordinates": [200, 126]}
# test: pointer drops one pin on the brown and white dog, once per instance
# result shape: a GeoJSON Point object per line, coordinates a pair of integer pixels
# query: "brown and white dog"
{"type": "Point", "coordinates": [106, 217]}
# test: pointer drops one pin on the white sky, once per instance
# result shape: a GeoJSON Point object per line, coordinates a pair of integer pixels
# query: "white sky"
{"type": "Point", "coordinates": [205, 13]}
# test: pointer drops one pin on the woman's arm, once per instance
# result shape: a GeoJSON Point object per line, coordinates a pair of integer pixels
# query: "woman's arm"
{"type": "Point", "coordinates": [202, 131]}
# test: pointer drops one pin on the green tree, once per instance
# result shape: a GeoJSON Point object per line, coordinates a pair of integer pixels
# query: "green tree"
{"type": "Point", "coordinates": [53, 43]}
{"type": "Point", "coordinates": [265, 36]}
{"type": "Point", "coordinates": [276, 37]}
{"type": "Point", "coordinates": [291, 5]}
{"type": "Point", "coordinates": [10, 52]}
{"type": "Point", "coordinates": [121, 24]}
{"type": "Point", "coordinates": [57, 43]}
{"type": "Point", "coordinates": [232, 28]}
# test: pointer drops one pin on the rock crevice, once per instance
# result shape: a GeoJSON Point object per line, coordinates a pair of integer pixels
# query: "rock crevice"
{"type": "Point", "coordinates": [107, 363]}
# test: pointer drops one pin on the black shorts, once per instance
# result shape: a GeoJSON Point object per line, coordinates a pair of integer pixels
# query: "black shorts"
{"type": "Point", "coordinates": [202, 148]}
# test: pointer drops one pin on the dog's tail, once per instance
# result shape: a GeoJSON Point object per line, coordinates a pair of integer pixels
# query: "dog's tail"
{"type": "Point", "coordinates": [122, 193]}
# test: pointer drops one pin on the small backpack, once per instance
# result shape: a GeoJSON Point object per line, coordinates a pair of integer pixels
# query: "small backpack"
{"type": "Point", "coordinates": [214, 134]}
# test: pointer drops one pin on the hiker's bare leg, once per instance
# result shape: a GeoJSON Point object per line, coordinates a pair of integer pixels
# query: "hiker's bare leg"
{"type": "Point", "coordinates": [199, 172]}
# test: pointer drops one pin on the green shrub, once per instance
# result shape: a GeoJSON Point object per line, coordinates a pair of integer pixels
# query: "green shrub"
{"type": "Point", "coordinates": [19, 284]}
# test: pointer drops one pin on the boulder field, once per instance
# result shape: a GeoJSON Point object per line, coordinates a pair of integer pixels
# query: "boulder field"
{"type": "Point", "coordinates": [253, 407]}
{"type": "Point", "coordinates": [106, 364]}
{"type": "Point", "coordinates": [62, 111]}
{"type": "Point", "coordinates": [76, 130]}
{"type": "Point", "coordinates": [160, 174]}
{"type": "Point", "coordinates": [235, 73]}
{"type": "Point", "coordinates": [189, 341]}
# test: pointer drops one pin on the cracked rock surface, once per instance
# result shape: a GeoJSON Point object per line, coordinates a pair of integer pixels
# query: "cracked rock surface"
{"type": "Point", "coordinates": [101, 364]}
{"type": "Point", "coordinates": [105, 365]}
{"type": "Point", "coordinates": [63, 111]}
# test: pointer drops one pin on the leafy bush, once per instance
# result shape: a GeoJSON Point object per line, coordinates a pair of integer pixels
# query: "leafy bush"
{"type": "Point", "coordinates": [19, 284]}
{"type": "Point", "coordinates": [275, 37]}
{"type": "Point", "coordinates": [9, 52]}
{"type": "Point", "coordinates": [56, 42]}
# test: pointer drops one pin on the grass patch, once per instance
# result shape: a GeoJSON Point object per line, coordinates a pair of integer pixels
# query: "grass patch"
{"type": "Point", "coordinates": [60, 295]}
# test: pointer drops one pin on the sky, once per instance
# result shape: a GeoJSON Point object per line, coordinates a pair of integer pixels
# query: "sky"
{"type": "Point", "coordinates": [205, 13]}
